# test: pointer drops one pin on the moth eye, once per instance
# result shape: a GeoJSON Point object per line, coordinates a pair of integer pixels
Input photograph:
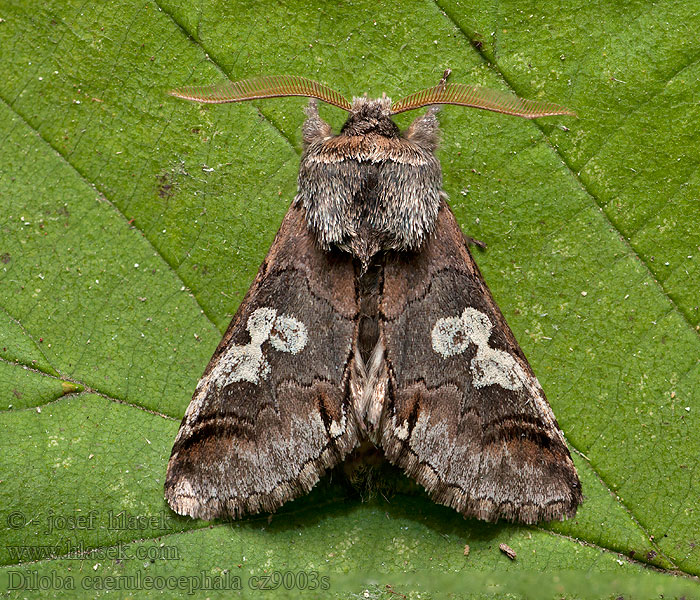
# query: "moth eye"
{"type": "Point", "coordinates": [288, 334]}
{"type": "Point", "coordinates": [450, 336]}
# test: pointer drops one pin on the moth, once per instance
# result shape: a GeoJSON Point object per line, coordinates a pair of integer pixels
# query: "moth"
{"type": "Point", "coordinates": [369, 321]}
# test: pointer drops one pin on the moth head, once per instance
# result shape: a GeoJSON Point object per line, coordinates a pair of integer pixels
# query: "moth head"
{"type": "Point", "coordinates": [370, 116]}
{"type": "Point", "coordinates": [370, 113]}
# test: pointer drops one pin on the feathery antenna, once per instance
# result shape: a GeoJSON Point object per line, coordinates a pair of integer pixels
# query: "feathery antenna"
{"type": "Point", "coordinates": [478, 97]}
{"type": "Point", "coordinates": [275, 86]}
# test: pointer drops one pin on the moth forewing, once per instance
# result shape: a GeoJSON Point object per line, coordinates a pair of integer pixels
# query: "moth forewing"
{"type": "Point", "coordinates": [369, 320]}
{"type": "Point", "coordinates": [271, 412]}
{"type": "Point", "coordinates": [467, 418]}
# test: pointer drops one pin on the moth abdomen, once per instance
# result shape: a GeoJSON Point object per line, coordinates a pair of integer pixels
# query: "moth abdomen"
{"type": "Point", "coordinates": [369, 291]}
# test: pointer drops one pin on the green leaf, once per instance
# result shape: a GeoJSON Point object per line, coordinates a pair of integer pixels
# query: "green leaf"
{"type": "Point", "coordinates": [133, 223]}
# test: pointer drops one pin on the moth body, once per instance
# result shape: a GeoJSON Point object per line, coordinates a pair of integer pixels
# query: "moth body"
{"type": "Point", "coordinates": [369, 321]}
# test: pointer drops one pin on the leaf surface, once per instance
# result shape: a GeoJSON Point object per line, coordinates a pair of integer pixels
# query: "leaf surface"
{"type": "Point", "coordinates": [133, 223]}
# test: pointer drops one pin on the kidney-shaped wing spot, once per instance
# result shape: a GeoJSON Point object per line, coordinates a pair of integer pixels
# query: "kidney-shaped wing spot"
{"type": "Point", "coordinates": [452, 335]}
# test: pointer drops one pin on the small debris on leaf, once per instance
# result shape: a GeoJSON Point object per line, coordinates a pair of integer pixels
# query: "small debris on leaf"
{"type": "Point", "coordinates": [508, 551]}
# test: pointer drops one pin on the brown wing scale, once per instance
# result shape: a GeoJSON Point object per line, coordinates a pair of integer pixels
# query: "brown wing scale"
{"type": "Point", "coordinates": [272, 410]}
{"type": "Point", "coordinates": [464, 414]}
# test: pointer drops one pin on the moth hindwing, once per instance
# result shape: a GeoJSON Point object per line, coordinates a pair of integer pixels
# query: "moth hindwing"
{"type": "Point", "coordinates": [370, 321]}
